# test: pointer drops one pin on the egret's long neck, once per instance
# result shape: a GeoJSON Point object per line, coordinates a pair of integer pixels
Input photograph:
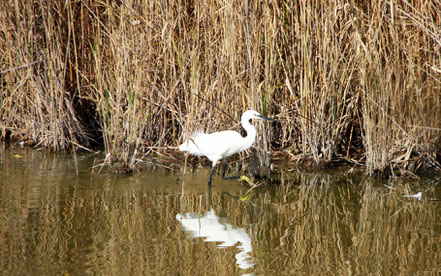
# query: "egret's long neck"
{"type": "Point", "coordinates": [251, 133]}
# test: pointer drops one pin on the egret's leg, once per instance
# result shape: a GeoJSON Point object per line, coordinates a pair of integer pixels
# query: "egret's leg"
{"type": "Point", "coordinates": [211, 174]}
{"type": "Point", "coordinates": [224, 165]}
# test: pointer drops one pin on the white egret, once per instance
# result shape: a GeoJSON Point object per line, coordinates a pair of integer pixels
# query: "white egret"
{"type": "Point", "coordinates": [219, 145]}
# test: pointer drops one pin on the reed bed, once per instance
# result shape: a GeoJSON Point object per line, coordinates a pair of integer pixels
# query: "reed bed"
{"type": "Point", "coordinates": [355, 82]}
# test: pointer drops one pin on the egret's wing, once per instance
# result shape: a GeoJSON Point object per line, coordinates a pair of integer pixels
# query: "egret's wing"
{"type": "Point", "coordinates": [222, 143]}
{"type": "Point", "coordinates": [192, 144]}
{"type": "Point", "coordinates": [214, 146]}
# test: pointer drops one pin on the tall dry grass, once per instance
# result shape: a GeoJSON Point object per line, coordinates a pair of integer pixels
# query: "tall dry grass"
{"type": "Point", "coordinates": [400, 85]}
{"type": "Point", "coordinates": [37, 102]}
{"type": "Point", "coordinates": [351, 81]}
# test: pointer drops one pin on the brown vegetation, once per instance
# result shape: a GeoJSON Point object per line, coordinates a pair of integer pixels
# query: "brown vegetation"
{"type": "Point", "coordinates": [358, 81]}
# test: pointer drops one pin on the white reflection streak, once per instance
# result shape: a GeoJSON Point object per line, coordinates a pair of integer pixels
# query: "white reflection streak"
{"type": "Point", "coordinates": [215, 229]}
{"type": "Point", "coordinates": [417, 196]}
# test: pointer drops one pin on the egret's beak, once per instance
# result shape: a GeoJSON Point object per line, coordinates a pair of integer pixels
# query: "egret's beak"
{"type": "Point", "coordinates": [266, 118]}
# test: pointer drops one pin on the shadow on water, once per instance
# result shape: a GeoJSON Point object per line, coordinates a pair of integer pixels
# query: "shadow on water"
{"type": "Point", "coordinates": [53, 221]}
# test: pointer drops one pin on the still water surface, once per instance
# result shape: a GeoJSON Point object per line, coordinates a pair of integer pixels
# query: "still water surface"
{"type": "Point", "coordinates": [56, 222]}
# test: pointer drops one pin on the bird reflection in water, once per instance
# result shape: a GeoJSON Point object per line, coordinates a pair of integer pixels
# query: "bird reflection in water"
{"type": "Point", "coordinates": [217, 229]}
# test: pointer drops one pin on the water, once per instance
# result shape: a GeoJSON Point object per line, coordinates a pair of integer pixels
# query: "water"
{"type": "Point", "coordinates": [55, 222]}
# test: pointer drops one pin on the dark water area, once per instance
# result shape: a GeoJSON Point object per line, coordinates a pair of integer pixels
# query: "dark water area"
{"type": "Point", "coordinates": [59, 218]}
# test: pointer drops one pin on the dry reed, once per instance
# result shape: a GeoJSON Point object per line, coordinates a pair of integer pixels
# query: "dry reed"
{"type": "Point", "coordinates": [355, 81]}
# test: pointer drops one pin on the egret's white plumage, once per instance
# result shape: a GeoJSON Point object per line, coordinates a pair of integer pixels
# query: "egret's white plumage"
{"type": "Point", "coordinates": [219, 145]}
